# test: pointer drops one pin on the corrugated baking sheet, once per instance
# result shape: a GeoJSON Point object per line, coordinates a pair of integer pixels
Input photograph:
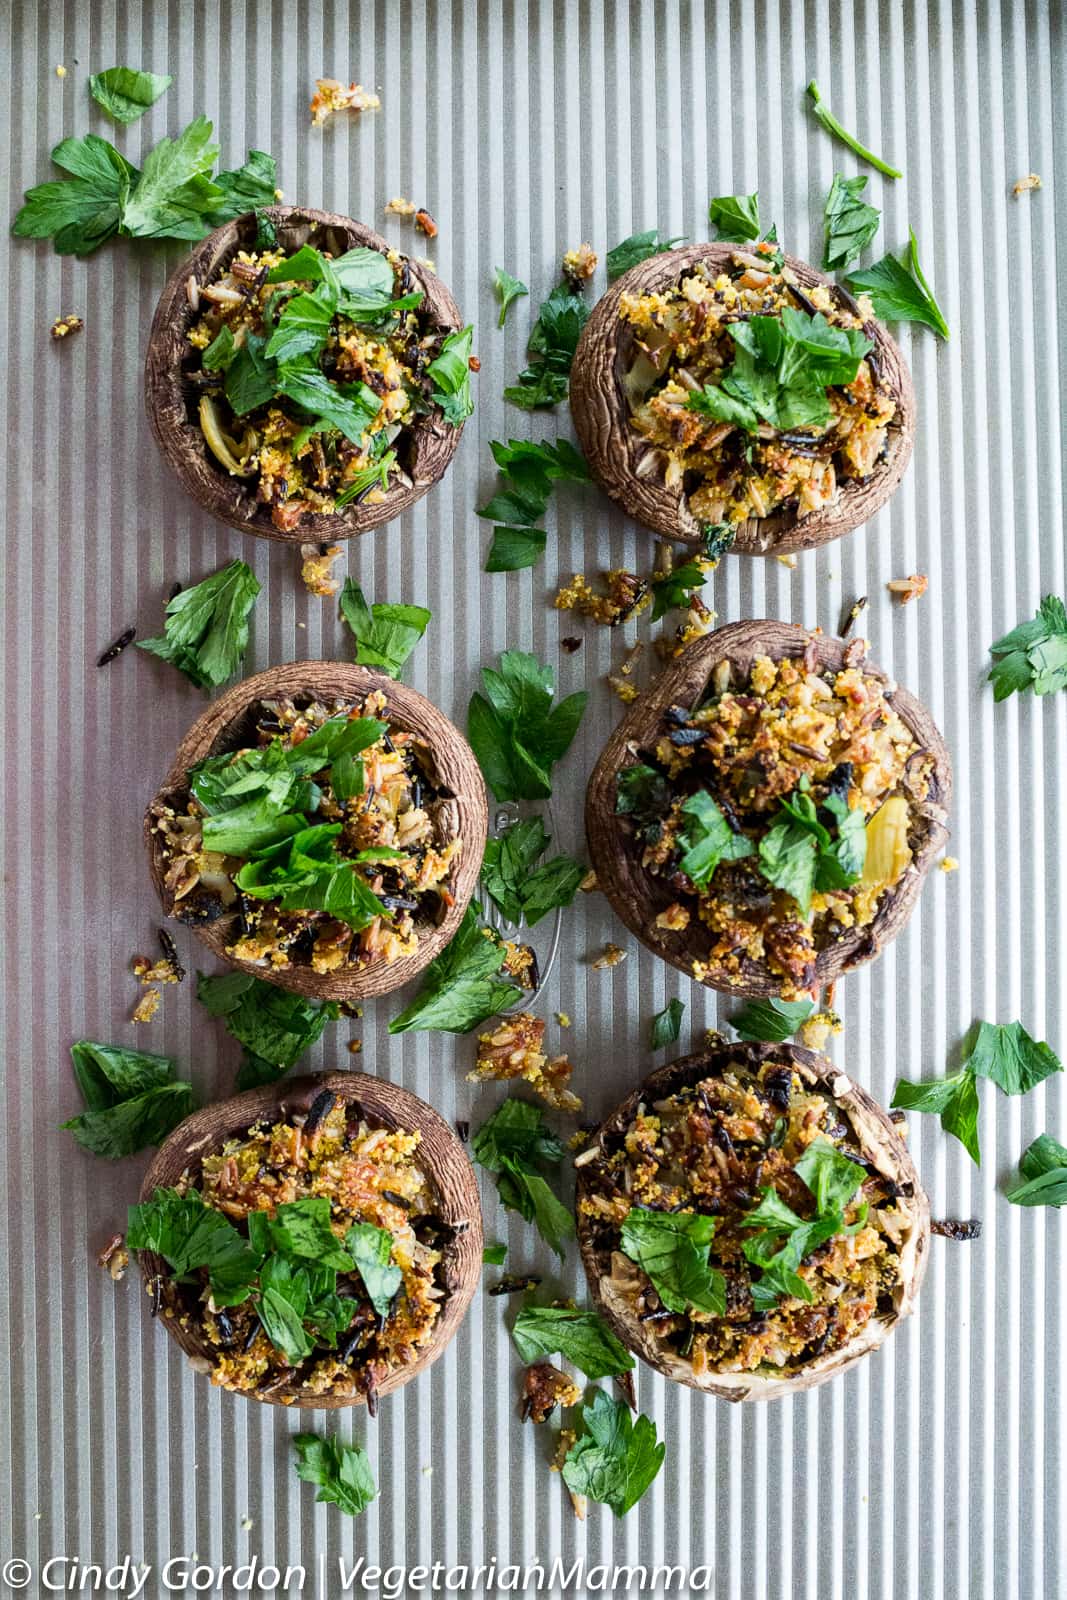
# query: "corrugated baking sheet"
{"type": "Point", "coordinates": [937, 1469]}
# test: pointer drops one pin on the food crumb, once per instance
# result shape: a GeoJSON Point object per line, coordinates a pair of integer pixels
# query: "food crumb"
{"type": "Point", "coordinates": [590, 883]}
{"type": "Point", "coordinates": [150, 972]}
{"type": "Point", "coordinates": [949, 864]}
{"type": "Point", "coordinates": [579, 265]}
{"type": "Point", "coordinates": [331, 95]}
{"type": "Point", "coordinates": [818, 1028]}
{"type": "Point", "coordinates": [513, 1050]}
{"type": "Point", "coordinates": [61, 72]}
{"type": "Point", "coordinates": [909, 588]}
{"type": "Point", "coordinates": [428, 262]}
{"type": "Point", "coordinates": [147, 1006]}
{"type": "Point", "coordinates": [1024, 185]}
{"type": "Point", "coordinates": [627, 692]}
{"type": "Point", "coordinates": [675, 918]}
{"type": "Point", "coordinates": [63, 326]}
{"type": "Point", "coordinates": [355, 1046]}
{"type": "Point", "coordinates": [544, 1388]}
{"type": "Point", "coordinates": [627, 596]}
{"type": "Point", "coordinates": [714, 1039]}
{"type": "Point", "coordinates": [114, 1258]}
{"type": "Point", "coordinates": [427, 1472]}
{"type": "Point", "coordinates": [611, 956]}
{"type": "Point", "coordinates": [425, 223]}
{"type": "Point", "coordinates": [279, 194]}
{"type": "Point", "coordinates": [633, 655]}
{"type": "Point", "coordinates": [788, 560]}
{"type": "Point", "coordinates": [570, 644]}
{"type": "Point", "coordinates": [563, 1019]}
{"type": "Point", "coordinates": [316, 568]}
{"type": "Point", "coordinates": [247, 1524]}
{"type": "Point", "coordinates": [399, 207]}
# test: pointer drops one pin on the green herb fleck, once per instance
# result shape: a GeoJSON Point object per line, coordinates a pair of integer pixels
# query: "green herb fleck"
{"type": "Point", "coordinates": [205, 631]}
{"type": "Point", "coordinates": [667, 1024]}
{"type": "Point", "coordinates": [851, 223]}
{"type": "Point", "coordinates": [1043, 1170]}
{"type": "Point", "coordinates": [827, 120]}
{"type": "Point", "coordinates": [516, 732]}
{"type": "Point", "coordinates": [460, 987]}
{"type": "Point", "coordinates": [521, 889]}
{"type": "Point", "coordinates": [513, 1144]}
{"type": "Point", "coordinates": [637, 248]}
{"type": "Point", "coordinates": [506, 289]}
{"type": "Point", "coordinates": [898, 290]}
{"type": "Point", "coordinates": [580, 1337]}
{"type": "Point", "coordinates": [342, 1472]}
{"type": "Point", "coordinates": [385, 634]}
{"type": "Point", "coordinates": [553, 341]}
{"type": "Point", "coordinates": [126, 94]}
{"type": "Point", "coordinates": [771, 1021]}
{"type": "Point", "coordinates": [274, 1026]}
{"type": "Point", "coordinates": [736, 216]}
{"type": "Point", "coordinates": [1033, 655]}
{"type": "Point", "coordinates": [132, 1099]}
{"type": "Point", "coordinates": [673, 1249]}
{"type": "Point", "coordinates": [616, 1458]}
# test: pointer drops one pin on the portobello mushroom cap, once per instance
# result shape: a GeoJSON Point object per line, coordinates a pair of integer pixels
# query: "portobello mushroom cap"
{"type": "Point", "coordinates": [614, 449]}
{"type": "Point", "coordinates": [638, 897]}
{"type": "Point", "coordinates": [462, 812]}
{"type": "Point", "coordinates": [881, 1145]}
{"type": "Point", "coordinates": [441, 1157]}
{"type": "Point", "coordinates": [424, 449]}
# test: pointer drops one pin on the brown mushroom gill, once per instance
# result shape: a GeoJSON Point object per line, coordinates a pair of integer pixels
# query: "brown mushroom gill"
{"type": "Point", "coordinates": [425, 449]}
{"type": "Point", "coordinates": [639, 898]}
{"type": "Point", "coordinates": [461, 813]}
{"type": "Point", "coordinates": [609, 371]}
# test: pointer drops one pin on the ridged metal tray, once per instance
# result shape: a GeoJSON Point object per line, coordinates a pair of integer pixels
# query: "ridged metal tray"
{"type": "Point", "coordinates": [938, 1469]}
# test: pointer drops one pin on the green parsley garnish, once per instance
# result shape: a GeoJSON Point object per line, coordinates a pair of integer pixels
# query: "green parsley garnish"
{"type": "Point", "coordinates": [898, 290]}
{"type": "Point", "coordinates": [673, 1247]}
{"type": "Point", "coordinates": [172, 198]}
{"type": "Point", "coordinates": [666, 1024]}
{"type": "Point", "coordinates": [781, 1239]}
{"type": "Point", "coordinates": [342, 1472]}
{"type": "Point", "coordinates": [637, 248]}
{"type": "Point", "coordinates": [1043, 1171]}
{"type": "Point", "coordinates": [1002, 1051]}
{"type": "Point", "coordinates": [494, 1255]}
{"type": "Point", "coordinates": [132, 1099]}
{"type": "Point", "coordinates": [516, 732]}
{"type": "Point", "coordinates": [673, 591]}
{"type": "Point", "coordinates": [524, 891]}
{"type": "Point", "coordinates": [580, 1337]}
{"type": "Point", "coordinates": [736, 216]}
{"type": "Point", "coordinates": [851, 223]}
{"type": "Point", "coordinates": [617, 1456]}
{"type": "Point", "coordinates": [799, 853]}
{"type": "Point", "coordinates": [205, 630]}
{"type": "Point", "coordinates": [771, 1021]}
{"type": "Point", "coordinates": [506, 288]}
{"type": "Point", "coordinates": [450, 373]}
{"type": "Point", "coordinates": [460, 987]}
{"type": "Point", "coordinates": [1033, 655]}
{"type": "Point", "coordinates": [274, 1026]}
{"type": "Point", "coordinates": [706, 838]}
{"type": "Point", "coordinates": [386, 634]}
{"type": "Point", "coordinates": [781, 371]}
{"type": "Point", "coordinates": [126, 94]}
{"type": "Point", "coordinates": [514, 1144]}
{"type": "Point", "coordinates": [528, 473]}
{"type": "Point", "coordinates": [553, 341]}
{"type": "Point", "coordinates": [826, 118]}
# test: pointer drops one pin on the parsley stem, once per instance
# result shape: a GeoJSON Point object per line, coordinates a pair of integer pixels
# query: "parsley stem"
{"type": "Point", "coordinates": [832, 126]}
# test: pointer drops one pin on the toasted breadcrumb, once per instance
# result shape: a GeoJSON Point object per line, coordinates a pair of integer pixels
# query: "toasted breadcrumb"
{"type": "Point", "coordinates": [714, 1039]}
{"type": "Point", "coordinates": [627, 596]}
{"type": "Point", "coordinates": [590, 883]}
{"type": "Point", "coordinates": [355, 1046]}
{"type": "Point", "coordinates": [147, 1006]}
{"type": "Point", "coordinates": [949, 864]}
{"type": "Point", "coordinates": [675, 918]}
{"type": "Point", "coordinates": [1024, 185]}
{"type": "Point", "coordinates": [114, 1258]}
{"type": "Point", "coordinates": [63, 326]}
{"type": "Point", "coordinates": [563, 1019]}
{"type": "Point", "coordinates": [520, 964]}
{"type": "Point", "coordinates": [633, 656]}
{"type": "Point", "coordinates": [399, 207]}
{"type": "Point", "coordinates": [331, 95]}
{"type": "Point", "coordinates": [61, 72]}
{"type": "Point", "coordinates": [513, 1050]}
{"type": "Point", "coordinates": [570, 644]}
{"type": "Point", "coordinates": [611, 956]}
{"type": "Point", "coordinates": [788, 560]}
{"type": "Point", "coordinates": [317, 569]}
{"type": "Point", "coordinates": [818, 1028]}
{"type": "Point", "coordinates": [544, 1388]}
{"type": "Point", "coordinates": [150, 972]}
{"type": "Point", "coordinates": [627, 692]}
{"type": "Point", "coordinates": [909, 588]}
{"type": "Point", "coordinates": [579, 265]}
{"type": "Point", "coordinates": [565, 1443]}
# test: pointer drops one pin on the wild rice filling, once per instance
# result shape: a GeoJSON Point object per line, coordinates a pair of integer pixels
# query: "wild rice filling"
{"type": "Point", "coordinates": [370, 1176]}
{"type": "Point", "coordinates": [367, 371]}
{"type": "Point", "coordinates": [747, 429]}
{"type": "Point", "coordinates": [775, 814]}
{"type": "Point", "coordinates": [727, 1149]}
{"type": "Point", "coordinates": [323, 829]}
